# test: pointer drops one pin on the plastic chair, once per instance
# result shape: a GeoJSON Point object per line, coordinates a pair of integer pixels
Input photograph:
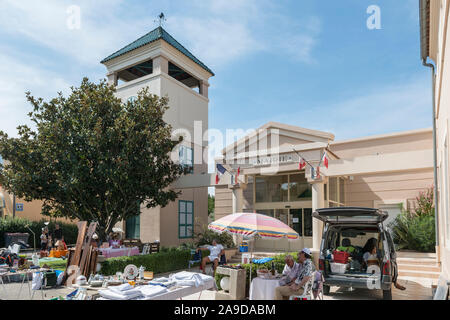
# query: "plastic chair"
{"type": "Point", "coordinates": [196, 257]}
{"type": "Point", "coordinates": [222, 261]}
{"type": "Point", "coordinates": [307, 290]}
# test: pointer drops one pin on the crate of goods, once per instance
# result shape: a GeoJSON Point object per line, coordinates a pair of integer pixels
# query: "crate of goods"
{"type": "Point", "coordinates": [243, 247]}
{"type": "Point", "coordinates": [340, 256]}
{"type": "Point", "coordinates": [338, 267]}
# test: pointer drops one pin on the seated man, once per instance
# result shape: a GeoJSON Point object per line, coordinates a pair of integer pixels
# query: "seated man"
{"type": "Point", "coordinates": [290, 271]}
{"type": "Point", "coordinates": [216, 250]}
{"type": "Point", "coordinates": [304, 274]}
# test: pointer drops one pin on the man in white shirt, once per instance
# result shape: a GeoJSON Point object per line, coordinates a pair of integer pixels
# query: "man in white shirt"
{"type": "Point", "coordinates": [290, 270]}
{"type": "Point", "coordinates": [216, 250]}
{"type": "Point", "coordinates": [304, 274]}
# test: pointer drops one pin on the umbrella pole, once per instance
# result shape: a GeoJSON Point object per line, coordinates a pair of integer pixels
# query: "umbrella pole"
{"type": "Point", "coordinates": [251, 259]}
{"type": "Point", "coordinates": [251, 266]}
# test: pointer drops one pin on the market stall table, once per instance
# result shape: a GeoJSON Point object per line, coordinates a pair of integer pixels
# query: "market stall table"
{"type": "Point", "coordinates": [263, 289]}
{"type": "Point", "coordinates": [25, 274]}
{"type": "Point", "coordinates": [119, 252]}
{"type": "Point", "coordinates": [180, 292]}
{"type": "Point", "coordinates": [177, 286]}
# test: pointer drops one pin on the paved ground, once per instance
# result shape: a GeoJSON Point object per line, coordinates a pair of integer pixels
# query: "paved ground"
{"type": "Point", "coordinates": [15, 291]}
{"type": "Point", "coordinates": [416, 289]}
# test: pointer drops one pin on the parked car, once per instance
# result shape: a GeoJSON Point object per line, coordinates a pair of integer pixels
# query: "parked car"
{"type": "Point", "coordinates": [350, 228]}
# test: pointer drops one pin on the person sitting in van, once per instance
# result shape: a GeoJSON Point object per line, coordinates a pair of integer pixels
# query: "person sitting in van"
{"type": "Point", "coordinates": [371, 256]}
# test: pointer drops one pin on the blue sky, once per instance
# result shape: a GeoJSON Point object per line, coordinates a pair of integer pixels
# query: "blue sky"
{"type": "Point", "coordinates": [313, 64]}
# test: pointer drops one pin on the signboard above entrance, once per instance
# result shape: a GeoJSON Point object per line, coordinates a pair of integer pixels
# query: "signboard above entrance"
{"type": "Point", "coordinates": [276, 159]}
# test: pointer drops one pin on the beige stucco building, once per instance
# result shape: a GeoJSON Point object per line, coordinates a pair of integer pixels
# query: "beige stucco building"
{"type": "Point", "coordinates": [385, 171]}
{"type": "Point", "coordinates": [435, 53]}
{"type": "Point", "coordinates": [160, 63]}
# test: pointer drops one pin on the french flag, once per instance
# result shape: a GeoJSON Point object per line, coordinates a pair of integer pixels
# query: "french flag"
{"type": "Point", "coordinates": [221, 170]}
{"type": "Point", "coordinates": [302, 164]}
{"type": "Point", "coordinates": [325, 159]}
{"type": "Point", "coordinates": [238, 173]}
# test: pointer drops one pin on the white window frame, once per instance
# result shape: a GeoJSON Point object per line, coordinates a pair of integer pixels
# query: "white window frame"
{"type": "Point", "coordinates": [186, 157]}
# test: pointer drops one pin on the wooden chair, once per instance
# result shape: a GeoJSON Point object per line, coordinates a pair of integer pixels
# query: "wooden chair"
{"type": "Point", "coordinates": [154, 247]}
{"type": "Point", "coordinates": [133, 243]}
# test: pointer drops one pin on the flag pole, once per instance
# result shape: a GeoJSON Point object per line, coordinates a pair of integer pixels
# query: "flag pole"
{"type": "Point", "coordinates": [302, 157]}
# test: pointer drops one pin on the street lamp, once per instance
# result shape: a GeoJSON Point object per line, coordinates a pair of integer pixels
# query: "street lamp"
{"type": "Point", "coordinates": [34, 236]}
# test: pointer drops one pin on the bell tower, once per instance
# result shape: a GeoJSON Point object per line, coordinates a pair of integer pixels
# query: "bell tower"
{"type": "Point", "coordinates": [157, 61]}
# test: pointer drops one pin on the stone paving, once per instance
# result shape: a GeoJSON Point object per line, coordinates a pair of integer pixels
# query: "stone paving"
{"type": "Point", "coordinates": [416, 289]}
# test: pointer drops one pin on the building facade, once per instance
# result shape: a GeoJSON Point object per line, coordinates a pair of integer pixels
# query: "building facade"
{"type": "Point", "coordinates": [384, 171]}
{"type": "Point", "coordinates": [435, 53]}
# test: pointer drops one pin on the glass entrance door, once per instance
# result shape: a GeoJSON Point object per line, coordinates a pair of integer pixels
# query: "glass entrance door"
{"type": "Point", "coordinates": [282, 215]}
{"type": "Point", "coordinates": [297, 221]}
{"type": "Point", "coordinates": [301, 221]}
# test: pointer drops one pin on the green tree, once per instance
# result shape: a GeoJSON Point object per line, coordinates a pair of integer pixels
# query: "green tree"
{"type": "Point", "coordinates": [415, 230]}
{"type": "Point", "coordinates": [92, 157]}
{"type": "Point", "coordinates": [211, 202]}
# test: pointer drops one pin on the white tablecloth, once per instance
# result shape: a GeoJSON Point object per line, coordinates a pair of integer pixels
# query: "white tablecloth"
{"type": "Point", "coordinates": [119, 252]}
{"type": "Point", "coordinates": [263, 289]}
{"type": "Point", "coordinates": [179, 293]}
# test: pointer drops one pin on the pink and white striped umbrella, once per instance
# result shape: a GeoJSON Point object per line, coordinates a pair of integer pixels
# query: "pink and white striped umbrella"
{"type": "Point", "coordinates": [252, 224]}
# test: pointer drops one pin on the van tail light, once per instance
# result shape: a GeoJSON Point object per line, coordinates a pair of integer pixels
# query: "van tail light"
{"type": "Point", "coordinates": [387, 268]}
{"type": "Point", "coordinates": [321, 265]}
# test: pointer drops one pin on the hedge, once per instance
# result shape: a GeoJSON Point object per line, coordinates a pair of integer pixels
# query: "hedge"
{"type": "Point", "coordinates": [164, 261]}
{"type": "Point", "coordinates": [17, 225]}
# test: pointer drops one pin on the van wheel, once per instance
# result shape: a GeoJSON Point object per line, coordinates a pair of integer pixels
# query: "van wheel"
{"type": "Point", "coordinates": [387, 294]}
{"type": "Point", "coordinates": [326, 289]}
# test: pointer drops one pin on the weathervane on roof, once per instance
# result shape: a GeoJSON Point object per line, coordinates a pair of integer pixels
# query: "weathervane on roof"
{"type": "Point", "coordinates": [161, 18]}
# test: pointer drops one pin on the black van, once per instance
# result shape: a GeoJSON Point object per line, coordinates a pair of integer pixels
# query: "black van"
{"type": "Point", "coordinates": [349, 229]}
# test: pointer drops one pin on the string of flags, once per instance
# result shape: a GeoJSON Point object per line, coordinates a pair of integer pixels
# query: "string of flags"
{"type": "Point", "coordinates": [220, 171]}
{"type": "Point", "coordinates": [315, 172]}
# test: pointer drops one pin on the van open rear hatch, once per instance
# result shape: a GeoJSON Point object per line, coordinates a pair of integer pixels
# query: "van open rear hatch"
{"type": "Point", "coordinates": [350, 215]}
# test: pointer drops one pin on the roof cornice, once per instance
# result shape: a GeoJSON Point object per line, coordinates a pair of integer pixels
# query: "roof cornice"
{"type": "Point", "coordinates": [152, 36]}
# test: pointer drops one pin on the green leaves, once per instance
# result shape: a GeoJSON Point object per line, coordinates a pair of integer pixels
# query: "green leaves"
{"type": "Point", "coordinates": [93, 157]}
{"type": "Point", "coordinates": [416, 230]}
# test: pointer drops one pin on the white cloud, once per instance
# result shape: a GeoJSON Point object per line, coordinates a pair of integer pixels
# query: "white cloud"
{"type": "Point", "coordinates": [101, 30]}
{"type": "Point", "coordinates": [221, 31]}
{"type": "Point", "coordinates": [21, 78]}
